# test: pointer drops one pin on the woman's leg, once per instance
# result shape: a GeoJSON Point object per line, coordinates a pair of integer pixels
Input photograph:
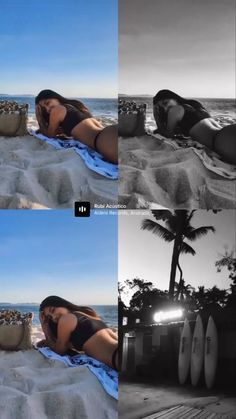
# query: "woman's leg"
{"type": "Point", "coordinates": [225, 143]}
{"type": "Point", "coordinates": [107, 143]}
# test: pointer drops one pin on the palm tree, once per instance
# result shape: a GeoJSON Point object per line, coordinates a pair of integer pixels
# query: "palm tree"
{"type": "Point", "coordinates": [228, 260]}
{"type": "Point", "coordinates": [177, 229]}
{"type": "Point", "coordinates": [146, 303]}
{"type": "Point", "coordinates": [183, 292]}
{"type": "Point", "coordinates": [216, 296]}
{"type": "Point", "coordinates": [200, 297]}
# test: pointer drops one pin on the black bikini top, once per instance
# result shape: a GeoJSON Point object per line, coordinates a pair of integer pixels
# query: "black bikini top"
{"type": "Point", "coordinates": [191, 117]}
{"type": "Point", "coordinates": [72, 118]}
{"type": "Point", "coordinates": [85, 329]}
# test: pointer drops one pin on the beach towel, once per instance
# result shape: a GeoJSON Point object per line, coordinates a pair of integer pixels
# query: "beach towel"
{"type": "Point", "coordinates": [209, 158]}
{"type": "Point", "coordinates": [93, 160]}
{"type": "Point", "coordinates": [106, 375]}
{"type": "Point", "coordinates": [213, 163]}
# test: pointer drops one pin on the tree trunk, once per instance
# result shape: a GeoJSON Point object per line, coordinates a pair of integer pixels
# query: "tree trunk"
{"type": "Point", "coordinates": [180, 284]}
{"type": "Point", "coordinates": [174, 262]}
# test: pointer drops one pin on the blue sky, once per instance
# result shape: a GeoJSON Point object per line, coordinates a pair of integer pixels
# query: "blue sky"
{"type": "Point", "coordinates": [145, 255]}
{"type": "Point", "coordinates": [52, 252]}
{"type": "Point", "coordinates": [187, 46]}
{"type": "Point", "coordinates": [66, 45]}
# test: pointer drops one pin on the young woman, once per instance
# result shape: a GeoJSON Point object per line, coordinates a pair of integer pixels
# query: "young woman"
{"type": "Point", "coordinates": [174, 114]}
{"type": "Point", "coordinates": [58, 115]}
{"type": "Point", "coordinates": [67, 326]}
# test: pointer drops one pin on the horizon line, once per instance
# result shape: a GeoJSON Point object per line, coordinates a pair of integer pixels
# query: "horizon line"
{"type": "Point", "coordinates": [69, 97]}
{"type": "Point", "coordinates": [24, 303]}
{"type": "Point", "coordinates": [187, 97]}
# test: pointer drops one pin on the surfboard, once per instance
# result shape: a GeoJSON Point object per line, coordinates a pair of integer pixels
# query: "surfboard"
{"type": "Point", "coordinates": [184, 352]}
{"type": "Point", "coordinates": [211, 353]}
{"type": "Point", "coordinates": [197, 351]}
{"type": "Point", "coordinates": [124, 353]}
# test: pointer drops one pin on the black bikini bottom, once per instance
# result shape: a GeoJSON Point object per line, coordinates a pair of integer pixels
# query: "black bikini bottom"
{"type": "Point", "coordinates": [96, 140]}
{"type": "Point", "coordinates": [113, 359]}
{"type": "Point", "coordinates": [214, 139]}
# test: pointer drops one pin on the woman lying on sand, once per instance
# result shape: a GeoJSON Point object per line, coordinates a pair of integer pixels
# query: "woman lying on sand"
{"type": "Point", "coordinates": [58, 115]}
{"type": "Point", "coordinates": [174, 114]}
{"type": "Point", "coordinates": [68, 326]}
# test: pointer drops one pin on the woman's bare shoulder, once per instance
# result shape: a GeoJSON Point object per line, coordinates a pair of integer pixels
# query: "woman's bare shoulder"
{"type": "Point", "coordinates": [58, 113]}
{"type": "Point", "coordinates": [177, 110]}
{"type": "Point", "coordinates": [59, 108]}
{"type": "Point", "coordinates": [69, 319]}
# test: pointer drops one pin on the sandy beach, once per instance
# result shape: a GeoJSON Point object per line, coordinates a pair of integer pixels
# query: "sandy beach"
{"type": "Point", "coordinates": [153, 172]}
{"type": "Point", "coordinates": [34, 175]}
{"type": "Point", "coordinates": [39, 388]}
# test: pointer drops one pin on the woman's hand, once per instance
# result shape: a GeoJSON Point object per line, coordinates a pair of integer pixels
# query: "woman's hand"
{"type": "Point", "coordinates": [38, 113]}
{"type": "Point", "coordinates": [158, 116]}
{"type": "Point", "coordinates": [156, 110]}
{"type": "Point", "coordinates": [42, 316]}
{"type": "Point", "coordinates": [44, 324]}
{"type": "Point", "coordinates": [40, 119]}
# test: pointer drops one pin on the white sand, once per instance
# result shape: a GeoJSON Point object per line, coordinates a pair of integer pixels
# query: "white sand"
{"type": "Point", "coordinates": [152, 172]}
{"type": "Point", "coordinates": [34, 174]}
{"type": "Point", "coordinates": [33, 387]}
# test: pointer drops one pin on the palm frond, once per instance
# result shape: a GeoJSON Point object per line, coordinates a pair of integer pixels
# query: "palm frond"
{"type": "Point", "coordinates": [196, 233]}
{"type": "Point", "coordinates": [178, 221]}
{"type": "Point", "coordinates": [162, 214]}
{"type": "Point", "coordinates": [157, 229]}
{"type": "Point", "coordinates": [190, 215]}
{"type": "Point", "coordinates": [185, 248]}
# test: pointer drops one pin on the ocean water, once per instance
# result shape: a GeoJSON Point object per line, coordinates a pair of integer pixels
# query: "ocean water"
{"type": "Point", "coordinates": [223, 110]}
{"type": "Point", "coordinates": [104, 108]}
{"type": "Point", "coordinates": [109, 313]}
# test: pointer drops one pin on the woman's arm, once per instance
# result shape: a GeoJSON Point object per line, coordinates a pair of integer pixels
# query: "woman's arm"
{"type": "Point", "coordinates": [175, 115]}
{"type": "Point", "coordinates": [56, 116]}
{"type": "Point", "coordinates": [65, 327]}
{"type": "Point", "coordinates": [46, 330]}
{"type": "Point", "coordinates": [161, 126]}
{"type": "Point", "coordinates": [40, 119]}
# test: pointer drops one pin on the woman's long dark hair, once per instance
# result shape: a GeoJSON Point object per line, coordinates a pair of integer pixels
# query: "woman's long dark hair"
{"type": "Point", "coordinates": [55, 301]}
{"type": "Point", "coordinates": [50, 94]}
{"type": "Point", "coordinates": [168, 94]}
